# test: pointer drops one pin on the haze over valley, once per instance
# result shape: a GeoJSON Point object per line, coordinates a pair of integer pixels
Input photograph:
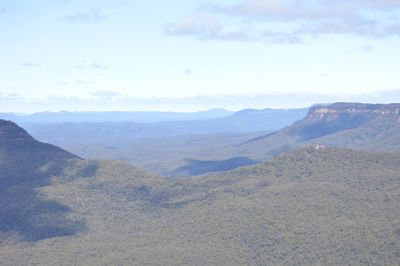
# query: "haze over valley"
{"type": "Point", "coordinates": [200, 132]}
{"type": "Point", "coordinates": [60, 208]}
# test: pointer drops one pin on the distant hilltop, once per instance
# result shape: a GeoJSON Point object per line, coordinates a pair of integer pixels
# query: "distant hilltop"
{"type": "Point", "coordinates": [355, 108]}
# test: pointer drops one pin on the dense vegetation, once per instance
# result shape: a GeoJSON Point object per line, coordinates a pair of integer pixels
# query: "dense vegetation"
{"type": "Point", "coordinates": [167, 156]}
{"type": "Point", "coordinates": [198, 167]}
{"type": "Point", "coordinates": [312, 206]}
{"type": "Point", "coordinates": [25, 166]}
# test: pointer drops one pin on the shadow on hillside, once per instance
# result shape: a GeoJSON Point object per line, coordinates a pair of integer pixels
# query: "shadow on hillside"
{"type": "Point", "coordinates": [199, 167]}
{"type": "Point", "coordinates": [23, 210]}
{"type": "Point", "coordinates": [326, 127]}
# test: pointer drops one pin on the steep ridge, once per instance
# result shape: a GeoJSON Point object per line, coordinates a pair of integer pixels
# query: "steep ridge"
{"type": "Point", "coordinates": [379, 131]}
{"type": "Point", "coordinates": [27, 169]}
{"type": "Point", "coordinates": [25, 165]}
{"type": "Point", "coordinates": [48, 193]}
{"type": "Point", "coordinates": [10, 131]}
{"type": "Point", "coordinates": [21, 155]}
{"type": "Point", "coordinates": [350, 125]}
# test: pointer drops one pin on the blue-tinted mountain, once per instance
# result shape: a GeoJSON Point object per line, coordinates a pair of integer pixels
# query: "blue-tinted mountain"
{"type": "Point", "coordinates": [99, 117]}
{"type": "Point", "coordinates": [348, 125]}
{"type": "Point", "coordinates": [109, 132]}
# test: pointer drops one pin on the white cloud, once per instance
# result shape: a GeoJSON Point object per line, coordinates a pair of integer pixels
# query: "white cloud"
{"type": "Point", "coordinates": [289, 10]}
{"type": "Point", "coordinates": [281, 37]}
{"type": "Point", "coordinates": [105, 94]}
{"type": "Point", "coordinates": [91, 65]}
{"type": "Point", "coordinates": [208, 28]}
{"type": "Point", "coordinates": [30, 64]}
{"type": "Point", "coordinates": [289, 21]}
{"type": "Point", "coordinates": [111, 101]}
{"type": "Point", "coordinates": [367, 48]}
{"type": "Point", "coordinates": [187, 71]}
{"type": "Point", "coordinates": [85, 17]}
{"type": "Point", "coordinates": [200, 25]}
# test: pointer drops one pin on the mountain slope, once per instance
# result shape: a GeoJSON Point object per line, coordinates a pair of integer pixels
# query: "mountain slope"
{"type": "Point", "coordinates": [20, 154]}
{"type": "Point", "coordinates": [27, 167]}
{"type": "Point", "coordinates": [26, 164]}
{"type": "Point", "coordinates": [311, 206]}
{"type": "Point", "coordinates": [350, 125]}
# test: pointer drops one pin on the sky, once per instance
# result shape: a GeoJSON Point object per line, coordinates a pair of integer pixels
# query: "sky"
{"type": "Point", "coordinates": [193, 55]}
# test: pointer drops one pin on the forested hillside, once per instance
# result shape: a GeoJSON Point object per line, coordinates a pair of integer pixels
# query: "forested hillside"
{"type": "Point", "coordinates": [314, 205]}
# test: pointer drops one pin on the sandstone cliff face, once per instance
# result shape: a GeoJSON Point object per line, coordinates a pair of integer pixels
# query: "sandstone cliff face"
{"type": "Point", "coordinates": [343, 125]}
{"type": "Point", "coordinates": [354, 109]}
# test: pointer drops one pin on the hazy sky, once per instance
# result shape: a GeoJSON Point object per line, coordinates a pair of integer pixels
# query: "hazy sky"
{"type": "Point", "coordinates": [98, 54]}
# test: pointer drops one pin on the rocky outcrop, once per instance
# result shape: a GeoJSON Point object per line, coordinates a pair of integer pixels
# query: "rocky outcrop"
{"type": "Point", "coordinates": [354, 108]}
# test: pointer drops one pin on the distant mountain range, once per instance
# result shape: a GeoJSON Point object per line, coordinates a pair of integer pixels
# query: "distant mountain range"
{"type": "Point", "coordinates": [313, 205]}
{"type": "Point", "coordinates": [347, 125]}
{"type": "Point", "coordinates": [106, 133]}
{"type": "Point", "coordinates": [99, 117]}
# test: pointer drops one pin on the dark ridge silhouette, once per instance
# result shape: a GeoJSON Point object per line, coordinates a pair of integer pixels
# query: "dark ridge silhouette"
{"type": "Point", "coordinates": [26, 166]}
